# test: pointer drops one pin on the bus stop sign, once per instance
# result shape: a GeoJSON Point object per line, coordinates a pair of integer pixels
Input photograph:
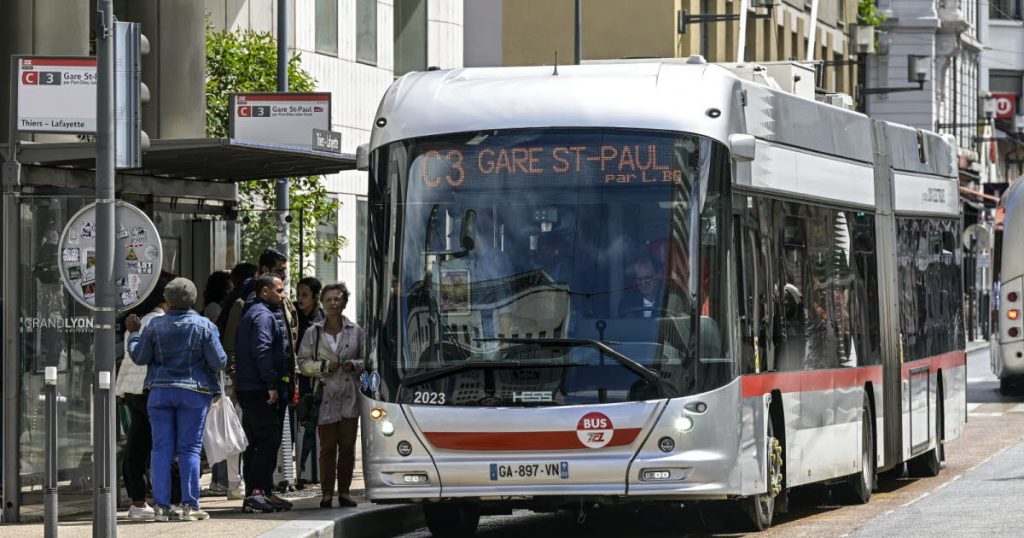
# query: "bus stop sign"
{"type": "Point", "coordinates": [138, 256]}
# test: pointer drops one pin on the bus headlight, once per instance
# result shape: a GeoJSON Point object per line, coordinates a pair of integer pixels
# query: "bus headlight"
{"type": "Point", "coordinates": [684, 424]}
{"type": "Point", "coordinates": [387, 428]}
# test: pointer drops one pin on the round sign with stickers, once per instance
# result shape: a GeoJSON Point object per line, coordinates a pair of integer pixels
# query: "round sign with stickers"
{"type": "Point", "coordinates": [595, 430]}
{"type": "Point", "coordinates": [138, 256]}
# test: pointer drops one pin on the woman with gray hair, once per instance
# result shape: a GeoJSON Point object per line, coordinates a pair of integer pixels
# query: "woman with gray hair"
{"type": "Point", "coordinates": [184, 351]}
{"type": "Point", "coordinates": [332, 352]}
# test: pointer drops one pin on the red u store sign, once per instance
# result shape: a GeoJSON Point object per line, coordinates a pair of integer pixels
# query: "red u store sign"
{"type": "Point", "coordinates": [1006, 105]}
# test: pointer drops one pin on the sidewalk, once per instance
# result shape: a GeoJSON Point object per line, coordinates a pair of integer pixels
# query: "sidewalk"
{"type": "Point", "coordinates": [227, 520]}
{"type": "Point", "coordinates": [976, 345]}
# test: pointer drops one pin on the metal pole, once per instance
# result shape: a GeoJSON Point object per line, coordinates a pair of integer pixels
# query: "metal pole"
{"type": "Point", "coordinates": [12, 354]}
{"type": "Point", "coordinates": [50, 489]}
{"type": "Point", "coordinates": [104, 480]}
{"type": "Point", "coordinates": [741, 47]}
{"type": "Point", "coordinates": [281, 188]}
{"type": "Point", "coordinates": [579, 33]}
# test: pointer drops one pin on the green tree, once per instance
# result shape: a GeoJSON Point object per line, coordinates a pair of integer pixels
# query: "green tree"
{"type": "Point", "coordinates": [867, 13]}
{"type": "Point", "coordinates": [246, 61]}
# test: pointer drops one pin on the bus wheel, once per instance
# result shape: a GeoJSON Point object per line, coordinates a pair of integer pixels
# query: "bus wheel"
{"type": "Point", "coordinates": [451, 519]}
{"type": "Point", "coordinates": [760, 508]}
{"type": "Point", "coordinates": [859, 485]}
{"type": "Point", "coordinates": [930, 463]}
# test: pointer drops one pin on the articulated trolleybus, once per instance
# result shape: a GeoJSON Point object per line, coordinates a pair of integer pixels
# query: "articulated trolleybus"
{"type": "Point", "coordinates": [658, 281]}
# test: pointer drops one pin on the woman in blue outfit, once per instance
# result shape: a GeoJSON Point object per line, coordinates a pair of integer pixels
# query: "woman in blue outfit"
{"type": "Point", "coordinates": [184, 354]}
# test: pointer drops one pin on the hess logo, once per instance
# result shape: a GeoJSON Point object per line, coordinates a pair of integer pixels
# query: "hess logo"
{"type": "Point", "coordinates": [594, 430]}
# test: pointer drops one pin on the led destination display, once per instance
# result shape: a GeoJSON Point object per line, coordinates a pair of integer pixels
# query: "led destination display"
{"type": "Point", "coordinates": [618, 164]}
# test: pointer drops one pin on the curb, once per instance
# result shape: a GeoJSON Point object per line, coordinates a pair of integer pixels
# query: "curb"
{"type": "Point", "coordinates": [373, 521]}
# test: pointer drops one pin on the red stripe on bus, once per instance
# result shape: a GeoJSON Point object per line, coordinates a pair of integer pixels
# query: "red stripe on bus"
{"type": "Point", "coordinates": [935, 363]}
{"type": "Point", "coordinates": [311, 98]}
{"type": "Point", "coordinates": [58, 62]}
{"type": "Point", "coordinates": [810, 380]}
{"type": "Point", "coordinates": [560, 440]}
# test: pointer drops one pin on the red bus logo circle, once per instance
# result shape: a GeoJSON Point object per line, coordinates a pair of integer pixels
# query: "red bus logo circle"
{"type": "Point", "coordinates": [595, 430]}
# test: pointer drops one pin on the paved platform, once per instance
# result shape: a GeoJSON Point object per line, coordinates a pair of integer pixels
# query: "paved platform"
{"type": "Point", "coordinates": [306, 519]}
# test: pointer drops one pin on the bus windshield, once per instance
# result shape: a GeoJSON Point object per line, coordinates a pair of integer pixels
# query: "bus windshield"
{"type": "Point", "coordinates": [557, 267]}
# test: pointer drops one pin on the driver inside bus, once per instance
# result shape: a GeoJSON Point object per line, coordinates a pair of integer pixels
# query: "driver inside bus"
{"type": "Point", "coordinates": [643, 298]}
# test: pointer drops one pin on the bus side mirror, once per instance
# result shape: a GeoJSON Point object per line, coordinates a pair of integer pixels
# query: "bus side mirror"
{"type": "Point", "coordinates": [468, 233]}
{"type": "Point", "coordinates": [742, 147]}
{"type": "Point", "coordinates": [363, 157]}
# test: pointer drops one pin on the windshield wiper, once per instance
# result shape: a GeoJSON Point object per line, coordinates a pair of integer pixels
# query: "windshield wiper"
{"type": "Point", "coordinates": [649, 375]}
{"type": "Point", "coordinates": [446, 371]}
{"type": "Point", "coordinates": [423, 377]}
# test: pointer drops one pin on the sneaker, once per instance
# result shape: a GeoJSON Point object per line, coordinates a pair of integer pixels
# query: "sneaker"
{"type": "Point", "coordinates": [236, 494]}
{"type": "Point", "coordinates": [144, 513]}
{"type": "Point", "coordinates": [257, 504]}
{"type": "Point", "coordinates": [189, 513]}
{"type": "Point", "coordinates": [172, 513]}
{"type": "Point", "coordinates": [345, 501]}
{"type": "Point", "coordinates": [279, 504]}
{"type": "Point", "coordinates": [217, 490]}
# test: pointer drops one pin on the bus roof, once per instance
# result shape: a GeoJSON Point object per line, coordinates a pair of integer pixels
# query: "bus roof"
{"type": "Point", "coordinates": [658, 94]}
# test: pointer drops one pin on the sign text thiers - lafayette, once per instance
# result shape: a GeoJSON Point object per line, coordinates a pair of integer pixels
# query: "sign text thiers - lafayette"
{"type": "Point", "coordinates": [57, 95]}
{"type": "Point", "coordinates": [616, 163]}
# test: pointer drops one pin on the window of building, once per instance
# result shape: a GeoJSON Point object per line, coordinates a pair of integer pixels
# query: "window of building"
{"type": "Point", "coordinates": [1004, 9]}
{"type": "Point", "coordinates": [326, 26]}
{"type": "Point", "coordinates": [366, 31]}
{"type": "Point", "coordinates": [410, 36]}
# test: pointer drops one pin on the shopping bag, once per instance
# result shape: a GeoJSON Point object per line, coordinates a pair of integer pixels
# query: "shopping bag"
{"type": "Point", "coordinates": [223, 435]}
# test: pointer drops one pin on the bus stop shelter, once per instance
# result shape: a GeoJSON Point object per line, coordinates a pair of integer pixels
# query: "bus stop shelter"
{"type": "Point", "coordinates": [189, 188]}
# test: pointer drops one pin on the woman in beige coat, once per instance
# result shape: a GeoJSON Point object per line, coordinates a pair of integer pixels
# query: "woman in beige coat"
{"type": "Point", "coordinates": [331, 352]}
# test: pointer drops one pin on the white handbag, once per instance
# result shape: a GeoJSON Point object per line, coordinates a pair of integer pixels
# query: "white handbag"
{"type": "Point", "coordinates": [223, 435]}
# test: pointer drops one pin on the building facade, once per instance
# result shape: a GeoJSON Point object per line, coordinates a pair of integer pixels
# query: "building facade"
{"type": "Point", "coordinates": [354, 49]}
{"type": "Point", "coordinates": [944, 35]}
{"type": "Point", "coordinates": [530, 32]}
{"type": "Point", "coordinates": [1002, 75]}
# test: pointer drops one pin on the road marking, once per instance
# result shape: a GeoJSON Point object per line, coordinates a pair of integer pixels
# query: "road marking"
{"type": "Point", "coordinates": [959, 476]}
{"type": "Point", "coordinates": [1019, 408]}
{"type": "Point", "coordinates": [986, 414]}
{"type": "Point", "coordinates": [972, 406]}
{"type": "Point", "coordinates": [981, 379]}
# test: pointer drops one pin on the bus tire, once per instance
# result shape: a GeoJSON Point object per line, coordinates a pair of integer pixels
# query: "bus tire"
{"type": "Point", "coordinates": [930, 463]}
{"type": "Point", "coordinates": [859, 485]}
{"type": "Point", "coordinates": [761, 508]}
{"type": "Point", "coordinates": [451, 519]}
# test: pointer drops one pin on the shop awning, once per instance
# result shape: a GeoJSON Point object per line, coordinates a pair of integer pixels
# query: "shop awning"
{"type": "Point", "coordinates": [207, 159]}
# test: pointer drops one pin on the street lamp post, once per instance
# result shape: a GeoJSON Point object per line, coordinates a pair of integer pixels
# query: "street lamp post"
{"type": "Point", "coordinates": [104, 475]}
{"type": "Point", "coordinates": [281, 186]}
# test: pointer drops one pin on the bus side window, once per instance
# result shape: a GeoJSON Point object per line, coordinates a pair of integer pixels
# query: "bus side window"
{"type": "Point", "coordinates": [757, 284]}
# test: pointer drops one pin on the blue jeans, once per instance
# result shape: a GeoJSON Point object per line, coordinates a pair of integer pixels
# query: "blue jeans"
{"type": "Point", "coordinates": [177, 417]}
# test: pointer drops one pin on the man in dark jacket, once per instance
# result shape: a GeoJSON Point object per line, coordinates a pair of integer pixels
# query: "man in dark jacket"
{"type": "Point", "coordinates": [263, 375]}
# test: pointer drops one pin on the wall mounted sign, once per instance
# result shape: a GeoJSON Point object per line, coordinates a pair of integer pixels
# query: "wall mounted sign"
{"type": "Point", "coordinates": [138, 256]}
{"type": "Point", "coordinates": [329, 141]}
{"type": "Point", "coordinates": [57, 94]}
{"type": "Point", "coordinates": [1006, 105]}
{"type": "Point", "coordinates": [284, 119]}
